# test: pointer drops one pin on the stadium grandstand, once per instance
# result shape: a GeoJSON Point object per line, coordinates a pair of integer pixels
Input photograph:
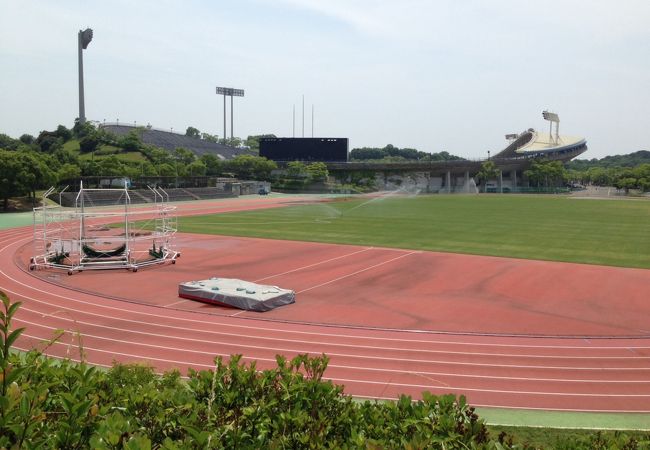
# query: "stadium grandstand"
{"type": "Point", "coordinates": [535, 144]}
{"type": "Point", "coordinates": [511, 164]}
{"type": "Point", "coordinates": [170, 141]}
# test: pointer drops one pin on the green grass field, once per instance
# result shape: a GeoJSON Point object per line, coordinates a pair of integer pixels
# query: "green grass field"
{"type": "Point", "coordinates": [609, 232]}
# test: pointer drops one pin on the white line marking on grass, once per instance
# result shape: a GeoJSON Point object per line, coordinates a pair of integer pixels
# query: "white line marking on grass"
{"type": "Point", "coordinates": [314, 264]}
{"type": "Point", "coordinates": [357, 272]}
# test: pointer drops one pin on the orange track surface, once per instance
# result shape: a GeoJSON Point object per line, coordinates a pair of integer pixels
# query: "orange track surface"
{"type": "Point", "coordinates": [504, 332]}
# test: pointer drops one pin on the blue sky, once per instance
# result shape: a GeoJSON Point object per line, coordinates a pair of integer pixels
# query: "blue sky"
{"type": "Point", "coordinates": [452, 75]}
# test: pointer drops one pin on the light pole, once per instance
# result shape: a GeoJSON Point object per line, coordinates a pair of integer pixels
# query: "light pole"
{"type": "Point", "coordinates": [232, 92]}
{"type": "Point", "coordinates": [84, 37]}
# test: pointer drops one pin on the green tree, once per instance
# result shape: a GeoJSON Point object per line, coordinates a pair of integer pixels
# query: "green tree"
{"type": "Point", "coordinates": [317, 171]}
{"type": "Point", "coordinates": [145, 169]}
{"type": "Point", "coordinates": [296, 169]}
{"type": "Point", "coordinates": [487, 172]}
{"type": "Point", "coordinates": [157, 155]}
{"type": "Point", "coordinates": [88, 143]}
{"type": "Point", "coordinates": [36, 171]}
{"type": "Point", "coordinates": [90, 169]}
{"type": "Point", "coordinates": [183, 156]}
{"type": "Point", "coordinates": [231, 141]}
{"type": "Point", "coordinates": [213, 165]}
{"type": "Point", "coordinates": [8, 143]}
{"type": "Point", "coordinates": [247, 167]}
{"type": "Point", "coordinates": [548, 173]}
{"type": "Point", "coordinates": [11, 183]}
{"type": "Point", "coordinates": [80, 130]}
{"type": "Point", "coordinates": [48, 141]}
{"type": "Point", "coordinates": [68, 172]}
{"type": "Point", "coordinates": [599, 176]}
{"type": "Point", "coordinates": [626, 184]}
{"type": "Point", "coordinates": [26, 139]}
{"type": "Point", "coordinates": [253, 142]}
{"type": "Point", "coordinates": [210, 137]}
{"type": "Point", "coordinates": [197, 168]}
{"type": "Point", "coordinates": [193, 133]}
{"type": "Point", "coordinates": [111, 167]}
{"type": "Point", "coordinates": [166, 170]}
{"type": "Point", "coordinates": [64, 133]}
{"type": "Point", "coordinates": [66, 156]}
{"type": "Point", "coordinates": [130, 142]}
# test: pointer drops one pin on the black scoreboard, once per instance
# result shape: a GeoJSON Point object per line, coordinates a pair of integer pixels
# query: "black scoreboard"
{"type": "Point", "coordinates": [305, 149]}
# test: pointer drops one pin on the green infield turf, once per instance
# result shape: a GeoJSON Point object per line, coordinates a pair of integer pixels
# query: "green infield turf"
{"type": "Point", "coordinates": [610, 232]}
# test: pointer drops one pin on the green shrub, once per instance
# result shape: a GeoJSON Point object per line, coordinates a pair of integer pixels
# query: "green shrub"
{"type": "Point", "coordinates": [46, 403]}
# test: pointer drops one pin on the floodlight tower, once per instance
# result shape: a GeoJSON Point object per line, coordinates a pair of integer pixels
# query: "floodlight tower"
{"type": "Point", "coordinates": [84, 39]}
{"type": "Point", "coordinates": [232, 93]}
{"type": "Point", "coordinates": [552, 118]}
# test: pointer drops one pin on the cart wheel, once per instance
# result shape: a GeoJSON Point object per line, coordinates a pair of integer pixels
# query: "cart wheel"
{"type": "Point", "coordinates": [32, 267]}
{"type": "Point", "coordinates": [173, 261]}
{"type": "Point", "coordinates": [69, 272]}
{"type": "Point", "coordinates": [135, 269]}
{"type": "Point", "coordinates": [178, 255]}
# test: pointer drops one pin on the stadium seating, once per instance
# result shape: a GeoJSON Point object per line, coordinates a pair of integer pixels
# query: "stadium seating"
{"type": "Point", "coordinates": [171, 141]}
{"type": "Point", "coordinates": [107, 197]}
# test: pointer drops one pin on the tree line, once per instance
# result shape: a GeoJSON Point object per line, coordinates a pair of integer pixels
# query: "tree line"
{"type": "Point", "coordinates": [549, 174]}
{"type": "Point", "coordinates": [391, 153]}
{"type": "Point", "coordinates": [29, 163]}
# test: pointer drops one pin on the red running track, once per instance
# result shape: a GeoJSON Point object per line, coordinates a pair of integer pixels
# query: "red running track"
{"type": "Point", "coordinates": [503, 332]}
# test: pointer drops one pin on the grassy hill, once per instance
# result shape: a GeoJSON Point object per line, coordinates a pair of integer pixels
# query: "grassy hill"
{"type": "Point", "coordinates": [104, 151]}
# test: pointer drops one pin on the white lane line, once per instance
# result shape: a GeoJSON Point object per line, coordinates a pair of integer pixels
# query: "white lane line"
{"type": "Point", "coordinates": [217, 322]}
{"type": "Point", "coordinates": [370, 397]}
{"type": "Point", "coordinates": [237, 313]}
{"type": "Point", "coordinates": [315, 264]}
{"type": "Point", "coordinates": [341, 355]}
{"type": "Point", "coordinates": [493, 391]}
{"type": "Point", "coordinates": [175, 303]}
{"type": "Point", "coordinates": [349, 367]}
{"type": "Point", "coordinates": [534, 408]}
{"type": "Point", "coordinates": [348, 380]}
{"type": "Point", "coordinates": [357, 272]}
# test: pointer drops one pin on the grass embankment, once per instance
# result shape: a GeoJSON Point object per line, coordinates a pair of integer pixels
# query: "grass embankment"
{"type": "Point", "coordinates": [104, 151]}
{"type": "Point", "coordinates": [604, 232]}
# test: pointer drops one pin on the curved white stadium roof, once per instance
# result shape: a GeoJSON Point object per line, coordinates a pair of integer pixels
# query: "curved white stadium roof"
{"type": "Point", "coordinates": [543, 142]}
